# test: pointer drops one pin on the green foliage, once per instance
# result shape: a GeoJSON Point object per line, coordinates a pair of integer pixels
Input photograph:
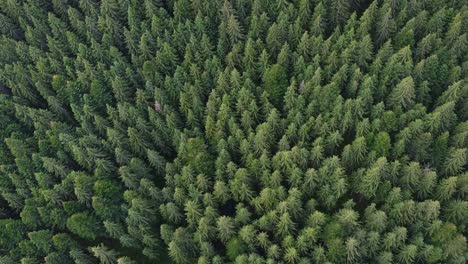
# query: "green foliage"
{"type": "Point", "coordinates": [275, 82]}
{"type": "Point", "coordinates": [382, 144]}
{"type": "Point", "coordinates": [238, 131]}
{"type": "Point", "coordinates": [84, 225]}
{"type": "Point", "coordinates": [234, 248]}
{"type": "Point", "coordinates": [104, 254]}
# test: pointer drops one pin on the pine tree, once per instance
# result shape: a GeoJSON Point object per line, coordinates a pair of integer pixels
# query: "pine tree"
{"type": "Point", "coordinates": [104, 254]}
{"type": "Point", "coordinates": [403, 94]}
{"type": "Point", "coordinates": [275, 83]}
{"type": "Point", "coordinates": [225, 227]}
{"type": "Point", "coordinates": [233, 131]}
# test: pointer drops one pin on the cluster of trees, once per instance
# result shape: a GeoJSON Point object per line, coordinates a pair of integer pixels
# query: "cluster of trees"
{"type": "Point", "coordinates": [233, 131]}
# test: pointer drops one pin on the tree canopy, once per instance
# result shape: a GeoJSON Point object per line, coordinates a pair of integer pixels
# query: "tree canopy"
{"type": "Point", "coordinates": [233, 131]}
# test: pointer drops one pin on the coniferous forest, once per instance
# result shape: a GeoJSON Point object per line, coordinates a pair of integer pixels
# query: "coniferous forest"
{"type": "Point", "coordinates": [233, 131]}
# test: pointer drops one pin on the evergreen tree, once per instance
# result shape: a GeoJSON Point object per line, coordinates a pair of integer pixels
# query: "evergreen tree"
{"type": "Point", "coordinates": [233, 131]}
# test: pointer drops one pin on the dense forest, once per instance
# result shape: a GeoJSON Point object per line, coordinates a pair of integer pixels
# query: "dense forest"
{"type": "Point", "coordinates": [233, 131]}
